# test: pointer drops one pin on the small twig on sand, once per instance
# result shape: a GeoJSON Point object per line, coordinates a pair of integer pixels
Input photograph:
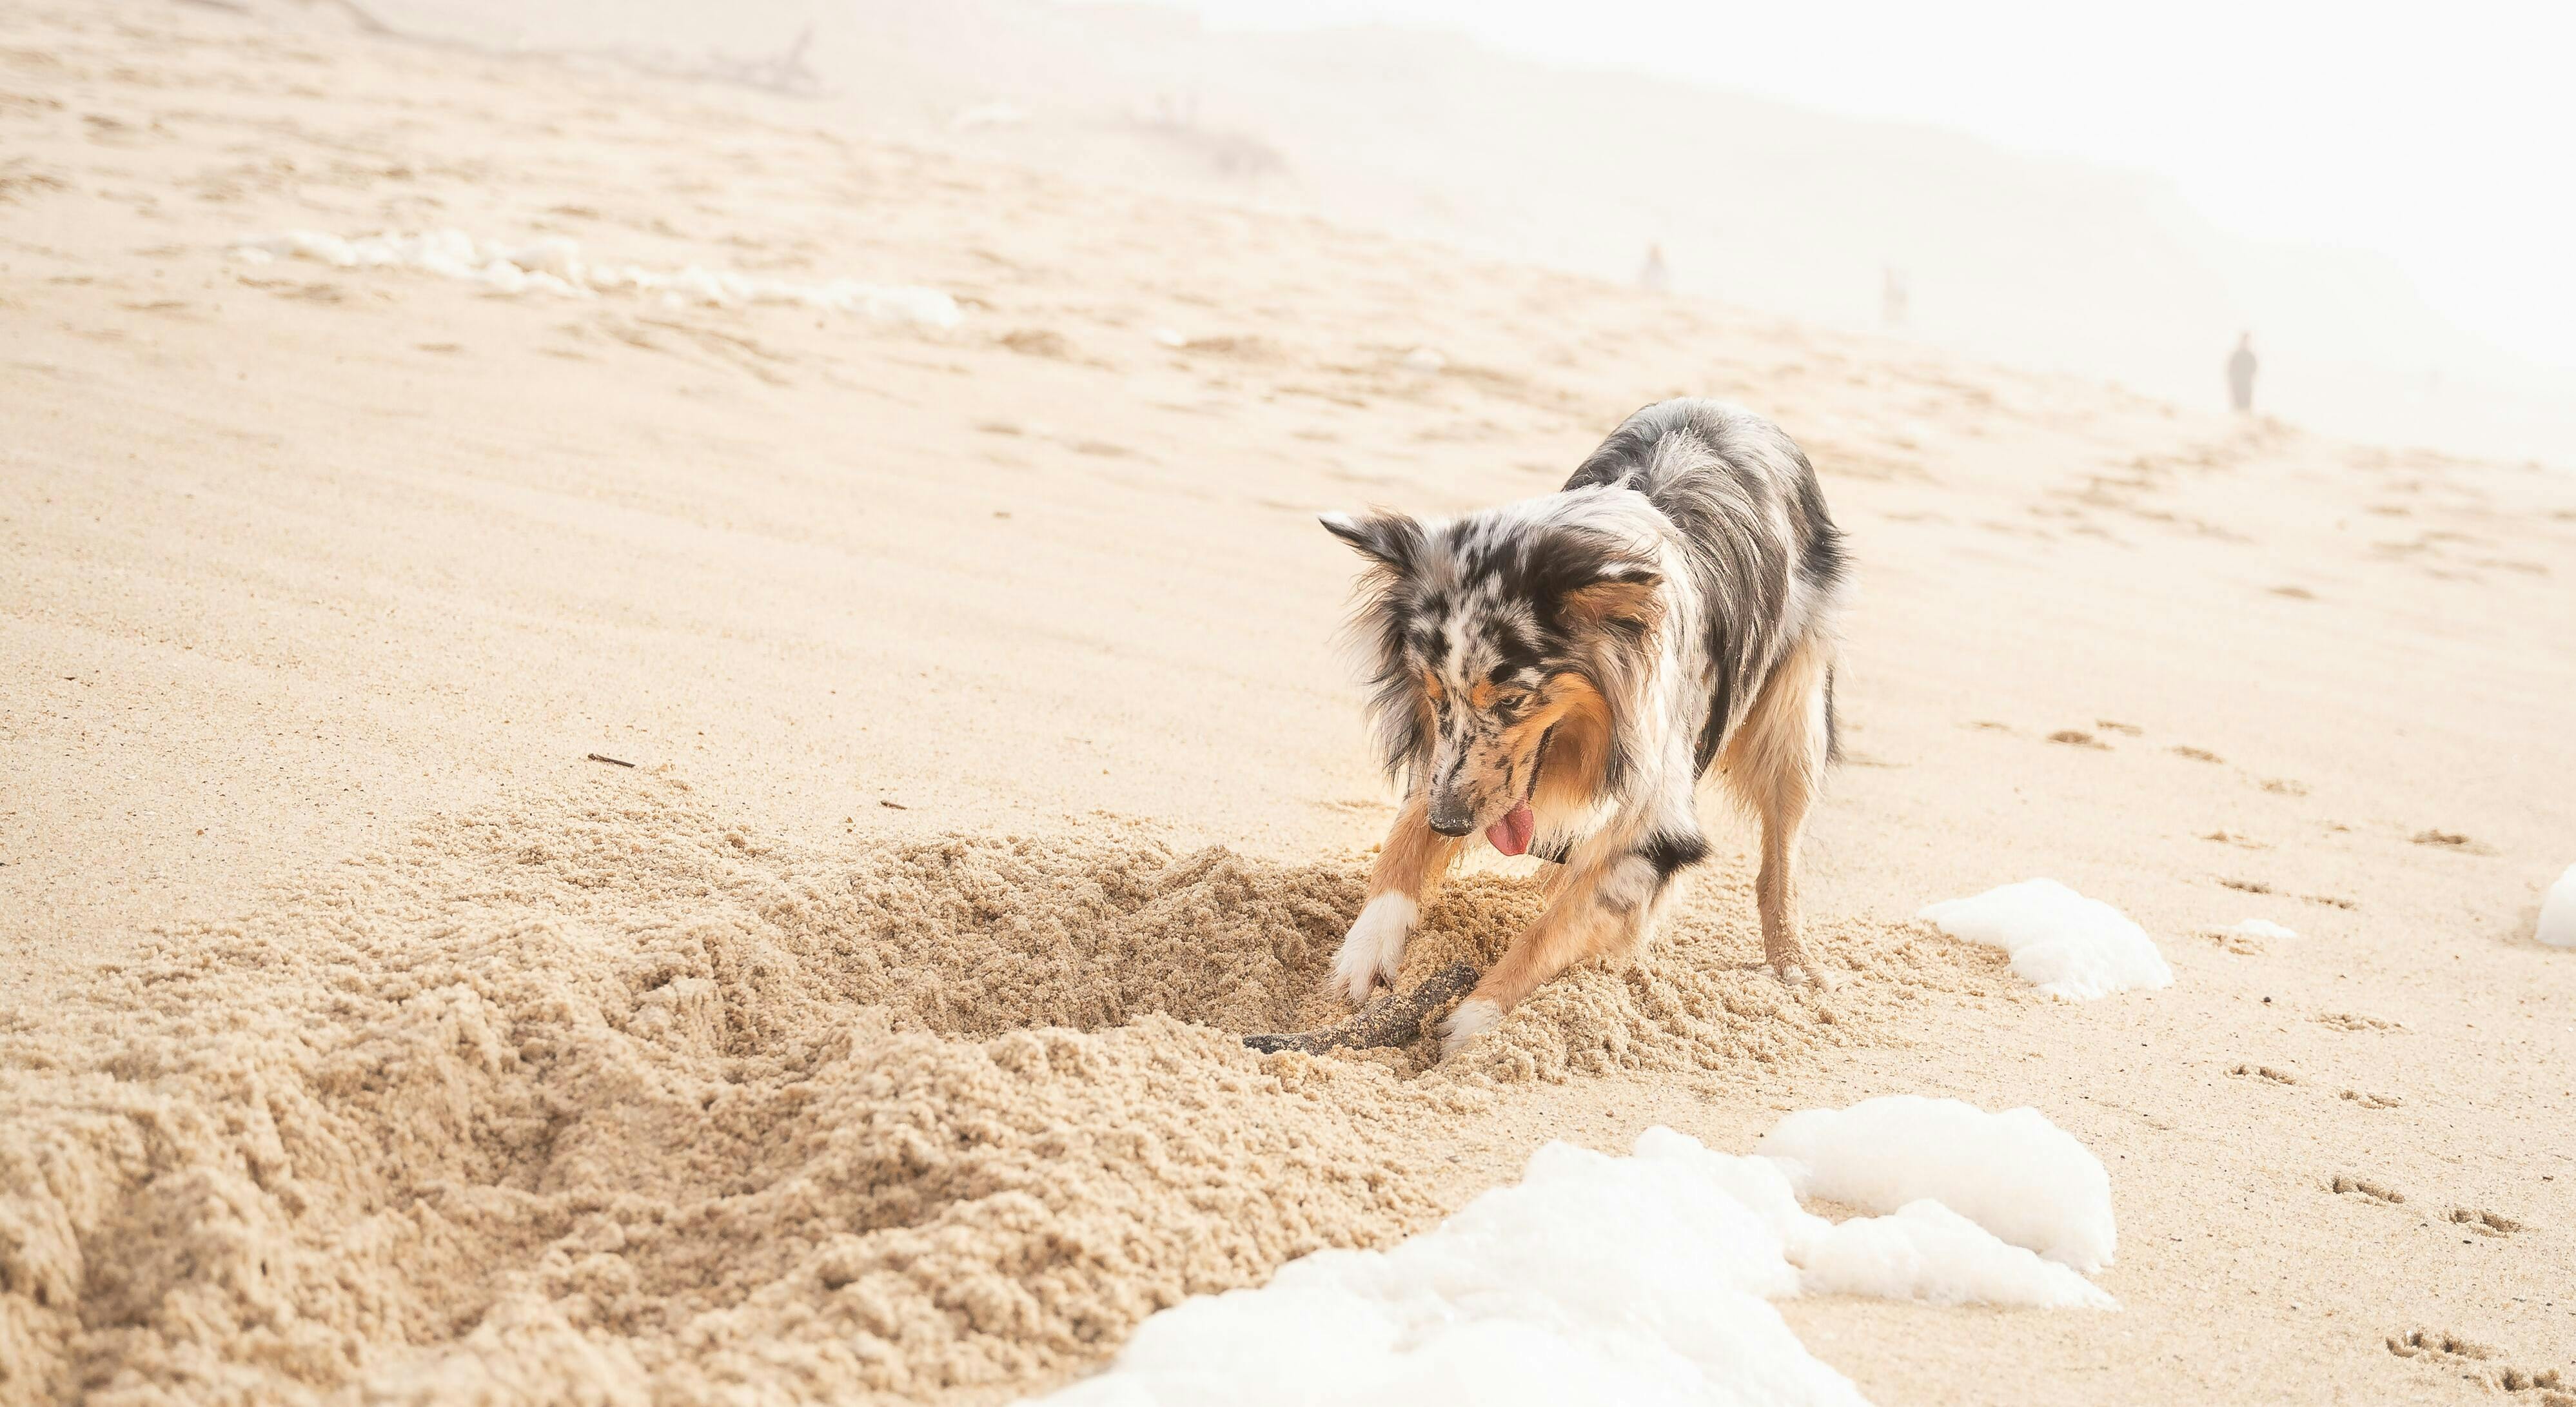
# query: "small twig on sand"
{"type": "Point", "coordinates": [1391, 1020]}
{"type": "Point", "coordinates": [892, 805]}
{"type": "Point", "coordinates": [611, 761]}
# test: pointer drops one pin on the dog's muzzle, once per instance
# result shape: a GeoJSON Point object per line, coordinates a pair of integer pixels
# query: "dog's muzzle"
{"type": "Point", "coordinates": [1450, 816]}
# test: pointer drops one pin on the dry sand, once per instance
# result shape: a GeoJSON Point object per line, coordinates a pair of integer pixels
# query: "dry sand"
{"type": "Point", "coordinates": [364, 1041]}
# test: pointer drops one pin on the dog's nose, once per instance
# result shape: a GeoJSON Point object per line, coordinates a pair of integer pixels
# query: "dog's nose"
{"type": "Point", "coordinates": [1450, 816]}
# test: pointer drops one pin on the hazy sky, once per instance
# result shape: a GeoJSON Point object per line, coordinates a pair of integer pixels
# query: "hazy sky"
{"type": "Point", "coordinates": [2440, 135]}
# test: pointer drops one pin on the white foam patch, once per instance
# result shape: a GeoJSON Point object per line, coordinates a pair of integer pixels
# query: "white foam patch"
{"type": "Point", "coordinates": [1925, 1251]}
{"type": "Point", "coordinates": [1595, 1279]}
{"type": "Point", "coordinates": [2256, 928]}
{"type": "Point", "coordinates": [555, 266]}
{"type": "Point", "coordinates": [2015, 1174]}
{"type": "Point", "coordinates": [2061, 942]}
{"type": "Point", "coordinates": [2558, 912]}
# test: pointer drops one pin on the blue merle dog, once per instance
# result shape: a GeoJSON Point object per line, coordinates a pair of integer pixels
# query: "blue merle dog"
{"type": "Point", "coordinates": [1558, 674]}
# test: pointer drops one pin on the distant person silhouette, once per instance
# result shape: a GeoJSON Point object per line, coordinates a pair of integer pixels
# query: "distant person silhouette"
{"type": "Point", "coordinates": [1652, 277]}
{"type": "Point", "coordinates": [2240, 374]}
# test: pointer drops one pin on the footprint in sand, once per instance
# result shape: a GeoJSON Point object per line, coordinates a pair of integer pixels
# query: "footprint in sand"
{"type": "Point", "coordinates": [2355, 1021]}
{"type": "Point", "coordinates": [2485, 1223]}
{"type": "Point", "coordinates": [2373, 1101]}
{"type": "Point", "coordinates": [2077, 737]}
{"type": "Point", "coordinates": [2347, 1185]}
{"type": "Point", "coordinates": [2198, 754]}
{"type": "Point", "coordinates": [2283, 786]}
{"type": "Point", "coordinates": [2269, 1074]}
{"type": "Point", "coordinates": [2478, 1363]}
{"type": "Point", "coordinates": [1039, 342]}
{"type": "Point", "coordinates": [2450, 840]}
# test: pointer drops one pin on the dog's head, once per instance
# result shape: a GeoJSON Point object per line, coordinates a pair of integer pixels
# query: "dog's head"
{"type": "Point", "coordinates": [1493, 645]}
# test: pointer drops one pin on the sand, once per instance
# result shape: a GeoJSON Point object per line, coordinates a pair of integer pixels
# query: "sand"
{"type": "Point", "coordinates": [874, 1038]}
{"type": "Point", "coordinates": [600, 1088]}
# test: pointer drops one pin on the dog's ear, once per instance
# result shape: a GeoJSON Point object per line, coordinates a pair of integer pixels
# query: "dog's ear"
{"type": "Point", "coordinates": [1624, 596]}
{"type": "Point", "coordinates": [1392, 540]}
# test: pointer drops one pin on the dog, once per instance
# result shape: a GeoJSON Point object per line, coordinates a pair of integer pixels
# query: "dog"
{"type": "Point", "coordinates": [1560, 673]}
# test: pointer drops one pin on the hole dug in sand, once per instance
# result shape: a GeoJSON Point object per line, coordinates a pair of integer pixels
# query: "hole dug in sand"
{"type": "Point", "coordinates": [596, 1098]}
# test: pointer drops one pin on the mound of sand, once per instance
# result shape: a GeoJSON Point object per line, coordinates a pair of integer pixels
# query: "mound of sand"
{"type": "Point", "coordinates": [602, 1091]}
{"type": "Point", "coordinates": [1697, 1000]}
{"type": "Point", "coordinates": [599, 1096]}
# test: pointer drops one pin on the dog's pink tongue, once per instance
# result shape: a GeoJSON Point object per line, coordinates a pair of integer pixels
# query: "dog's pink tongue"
{"type": "Point", "coordinates": [1511, 834]}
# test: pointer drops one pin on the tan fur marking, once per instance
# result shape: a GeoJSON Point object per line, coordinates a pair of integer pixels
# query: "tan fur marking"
{"type": "Point", "coordinates": [1579, 754]}
{"type": "Point", "coordinates": [1506, 761]}
{"type": "Point", "coordinates": [1774, 764]}
{"type": "Point", "coordinates": [1415, 855]}
{"type": "Point", "coordinates": [1639, 602]}
{"type": "Point", "coordinates": [1575, 927]}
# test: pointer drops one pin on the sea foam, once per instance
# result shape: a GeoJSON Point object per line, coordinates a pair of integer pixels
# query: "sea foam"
{"type": "Point", "coordinates": [2061, 942]}
{"type": "Point", "coordinates": [1643, 1279]}
{"type": "Point", "coordinates": [555, 266]}
{"type": "Point", "coordinates": [2558, 912]}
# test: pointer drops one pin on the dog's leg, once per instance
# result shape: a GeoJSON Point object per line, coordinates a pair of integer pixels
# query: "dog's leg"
{"type": "Point", "coordinates": [1414, 855]}
{"type": "Point", "coordinates": [1602, 910]}
{"type": "Point", "coordinates": [1776, 764]}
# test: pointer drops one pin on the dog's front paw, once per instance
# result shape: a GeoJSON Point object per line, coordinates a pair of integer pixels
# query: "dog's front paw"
{"type": "Point", "coordinates": [1804, 974]}
{"type": "Point", "coordinates": [1374, 948]}
{"type": "Point", "coordinates": [1474, 1017]}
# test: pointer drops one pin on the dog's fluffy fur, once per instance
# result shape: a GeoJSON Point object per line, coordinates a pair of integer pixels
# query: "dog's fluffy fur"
{"type": "Point", "coordinates": [1590, 655]}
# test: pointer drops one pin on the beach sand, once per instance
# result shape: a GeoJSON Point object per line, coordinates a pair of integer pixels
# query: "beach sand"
{"type": "Point", "coordinates": [362, 1038]}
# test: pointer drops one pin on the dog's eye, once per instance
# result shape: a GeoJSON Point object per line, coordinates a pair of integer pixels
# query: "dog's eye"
{"type": "Point", "coordinates": [1512, 700]}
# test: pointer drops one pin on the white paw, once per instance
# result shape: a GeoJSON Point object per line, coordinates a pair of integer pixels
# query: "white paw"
{"type": "Point", "coordinates": [1814, 978]}
{"type": "Point", "coordinates": [1472, 1019]}
{"type": "Point", "coordinates": [1375, 947]}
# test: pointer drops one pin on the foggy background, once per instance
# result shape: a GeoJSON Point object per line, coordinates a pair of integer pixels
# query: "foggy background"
{"type": "Point", "coordinates": [2381, 200]}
